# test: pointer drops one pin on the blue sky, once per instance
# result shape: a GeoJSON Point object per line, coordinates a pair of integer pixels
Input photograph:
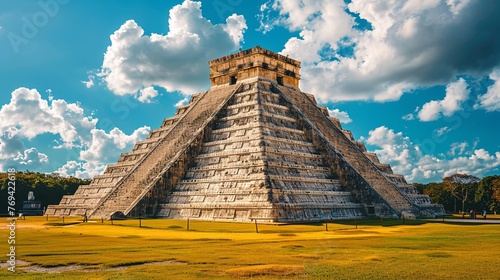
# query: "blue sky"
{"type": "Point", "coordinates": [417, 81]}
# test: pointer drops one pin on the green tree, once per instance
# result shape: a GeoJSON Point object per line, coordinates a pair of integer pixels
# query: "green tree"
{"type": "Point", "coordinates": [484, 196]}
{"type": "Point", "coordinates": [462, 187]}
{"type": "Point", "coordinates": [495, 194]}
{"type": "Point", "coordinates": [439, 195]}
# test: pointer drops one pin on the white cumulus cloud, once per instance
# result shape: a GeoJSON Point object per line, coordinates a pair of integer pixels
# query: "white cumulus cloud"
{"type": "Point", "coordinates": [442, 131]}
{"type": "Point", "coordinates": [457, 5]}
{"type": "Point", "coordinates": [30, 159]}
{"type": "Point", "coordinates": [31, 115]}
{"type": "Point", "coordinates": [407, 158]}
{"type": "Point", "coordinates": [90, 82]}
{"type": "Point", "coordinates": [490, 101]}
{"type": "Point", "coordinates": [395, 148]}
{"type": "Point", "coordinates": [456, 93]}
{"type": "Point", "coordinates": [11, 143]}
{"type": "Point", "coordinates": [80, 169]}
{"type": "Point", "coordinates": [176, 61]}
{"type": "Point", "coordinates": [342, 116]}
{"type": "Point", "coordinates": [147, 94]}
{"type": "Point", "coordinates": [182, 102]}
{"type": "Point", "coordinates": [107, 147]}
{"type": "Point", "coordinates": [385, 136]}
{"type": "Point", "coordinates": [458, 148]}
{"type": "Point", "coordinates": [28, 116]}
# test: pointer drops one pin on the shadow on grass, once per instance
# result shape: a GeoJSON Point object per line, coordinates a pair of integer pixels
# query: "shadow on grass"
{"type": "Point", "coordinates": [380, 222]}
{"type": "Point", "coordinates": [125, 264]}
{"type": "Point", "coordinates": [175, 227]}
{"type": "Point", "coordinates": [457, 223]}
{"type": "Point", "coordinates": [287, 234]}
{"type": "Point", "coordinates": [58, 254]}
{"type": "Point", "coordinates": [315, 224]}
{"type": "Point", "coordinates": [439, 255]}
{"type": "Point", "coordinates": [59, 224]}
{"type": "Point", "coordinates": [130, 236]}
{"type": "Point", "coordinates": [362, 222]}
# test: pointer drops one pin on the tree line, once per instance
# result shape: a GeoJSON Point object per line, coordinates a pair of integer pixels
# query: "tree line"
{"type": "Point", "coordinates": [459, 192]}
{"type": "Point", "coordinates": [462, 193]}
{"type": "Point", "coordinates": [47, 188]}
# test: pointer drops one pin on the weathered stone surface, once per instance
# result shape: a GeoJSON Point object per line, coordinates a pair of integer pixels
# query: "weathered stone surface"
{"type": "Point", "coordinates": [252, 147]}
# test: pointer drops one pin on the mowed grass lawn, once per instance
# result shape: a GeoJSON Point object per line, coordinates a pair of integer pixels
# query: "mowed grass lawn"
{"type": "Point", "coordinates": [164, 249]}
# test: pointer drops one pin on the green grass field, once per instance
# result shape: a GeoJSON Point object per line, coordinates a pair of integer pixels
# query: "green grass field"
{"type": "Point", "coordinates": [164, 249]}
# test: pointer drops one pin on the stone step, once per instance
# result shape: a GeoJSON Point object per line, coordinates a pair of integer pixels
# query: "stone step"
{"type": "Point", "coordinates": [271, 150]}
{"type": "Point", "coordinates": [260, 163]}
{"type": "Point", "coordinates": [290, 178]}
{"type": "Point", "coordinates": [169, 121]}
{"type": "Point", "coordinates": [268, 138]}
{"type": "Point", "coordinates": [275, 116]}
{"type": "Point", "coordinates": [318, 206]}
{"type": "Point", "coordinates": [299, 166]}
{"type": "Point", "coordinates": [276, 106]}
{"type": "Point", "coordinates": [257, 125]}
{"type": "Point", "coordinates": [238, 152]}
{"type": "Point", "coordinates": [122, 164]}
{"type": "Point", "coordinates": [219, 192]}
{"type": "Point", "coordinates": [251, 114]}
{"type": "Point", "coordinates": [246, 138]}
{"type": "Point", "coordinates": [216, 206]}
{"type": "Point", "coordinates": [254, 164]}
{"type": "Point", "coordinates": [242, 105]}
{"type": "Point", "coordinates": [246, 178]}
{"type": "Point", "coordinates": [314, 192]}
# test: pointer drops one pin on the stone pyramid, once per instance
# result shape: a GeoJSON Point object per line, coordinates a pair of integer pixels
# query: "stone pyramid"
{"type": "Point", "coordinates": [253, 147]}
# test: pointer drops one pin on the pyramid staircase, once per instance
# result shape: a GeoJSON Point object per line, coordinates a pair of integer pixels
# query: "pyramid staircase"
{"type": "Point", "coordinates": [258, 164]}
{"type": "Point", "coordinates": [369, 174]}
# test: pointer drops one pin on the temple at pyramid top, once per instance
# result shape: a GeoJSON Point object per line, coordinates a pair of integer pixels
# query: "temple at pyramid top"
{"type": "Point", "coordinates": [255, 62]}
{"type": "Point", "coordinates": [252, 147]}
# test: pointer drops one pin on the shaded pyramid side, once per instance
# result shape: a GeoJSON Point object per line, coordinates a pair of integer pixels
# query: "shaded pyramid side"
{"type": "Point", "coordinates": [258, 163]}
{"type": "Point", "coordinates": [140, 172]}
{"type": "Point", "coordinates": [421, 201]}
{"type": "Point", "coordinates": [363, 170]}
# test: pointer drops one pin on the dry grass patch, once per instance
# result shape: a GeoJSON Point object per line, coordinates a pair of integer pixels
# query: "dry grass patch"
{"type": "Point", "coordinates": [307, 257]}
{"type": "Point", "coordinates": [266, 270]}
{"type": "Point", "coordinates": [287, 234]}
{"type": "Point", "coordinates": [292, 246]}
{"type": "Point", "coordinates": [439, 255]}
